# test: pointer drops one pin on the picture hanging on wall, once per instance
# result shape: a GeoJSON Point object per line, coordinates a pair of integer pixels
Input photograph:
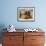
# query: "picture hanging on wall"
{"type": "Point", "coordinates": [26, 14]}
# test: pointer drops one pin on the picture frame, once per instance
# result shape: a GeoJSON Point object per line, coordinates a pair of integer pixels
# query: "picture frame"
{"type": "Point", "coordinates": [26, 14]}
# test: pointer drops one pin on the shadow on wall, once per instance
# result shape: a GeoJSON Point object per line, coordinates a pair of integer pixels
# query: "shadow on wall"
{"type": "Point", "coordinates": [2, 26]}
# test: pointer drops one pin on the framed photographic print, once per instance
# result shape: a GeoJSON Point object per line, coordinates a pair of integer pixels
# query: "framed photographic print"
{"type": "Point", "coordinates": [26, 14]}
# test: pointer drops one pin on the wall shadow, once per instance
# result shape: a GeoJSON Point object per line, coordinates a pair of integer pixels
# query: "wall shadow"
{"type": "Point", "coordinates": [2, 29]}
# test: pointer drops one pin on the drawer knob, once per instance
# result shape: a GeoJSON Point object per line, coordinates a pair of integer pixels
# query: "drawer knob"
{"type": "Point", "coordinates": [33, 39]}
{"type": "Point", "coordinates": [11, 38]}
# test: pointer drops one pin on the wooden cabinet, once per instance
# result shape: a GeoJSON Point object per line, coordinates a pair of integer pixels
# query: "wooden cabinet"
{"type": "Point", "coordinates": [23, 39]}
{"type": "Point", "coordinates": [13, 39]}
{"type": "Point", "coordinates": [34, 39]}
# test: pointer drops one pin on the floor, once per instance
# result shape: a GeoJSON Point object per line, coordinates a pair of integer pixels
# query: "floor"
{"type": "Point", "coordinates": [0, 44]}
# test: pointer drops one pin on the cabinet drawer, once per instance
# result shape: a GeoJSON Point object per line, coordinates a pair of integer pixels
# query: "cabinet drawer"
{"type": "Point", "coordinates": [12, 39]}
{"type": "Point", "coordinates": [34, 33]}
{"type": "Point", "coordinates": [37, 39]}
{"type": "Point", "coordinates": [37, 44]}
{"type": "Point", "coordinates": [13, 33]}
{"type": "Point", "coordinates": [12, 45]}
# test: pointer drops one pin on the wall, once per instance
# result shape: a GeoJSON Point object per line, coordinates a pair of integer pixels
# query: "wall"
{"type": "Point", "coordinates": [9, 13]}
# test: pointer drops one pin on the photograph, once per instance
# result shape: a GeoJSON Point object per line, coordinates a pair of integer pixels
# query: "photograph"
{"type": "Point", "coordinates": [25, 14]}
